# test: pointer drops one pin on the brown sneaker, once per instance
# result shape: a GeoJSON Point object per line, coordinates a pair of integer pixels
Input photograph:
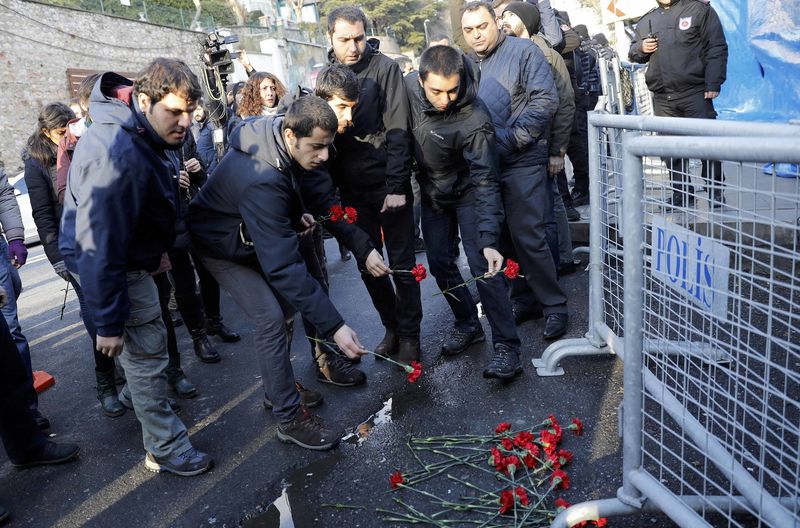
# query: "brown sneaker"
{"type": "Point", "coordinates": [307, 430]}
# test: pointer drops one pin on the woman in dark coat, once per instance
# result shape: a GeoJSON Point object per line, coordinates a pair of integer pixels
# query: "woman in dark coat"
{"type": "Point", "coordinates": [39, 156]}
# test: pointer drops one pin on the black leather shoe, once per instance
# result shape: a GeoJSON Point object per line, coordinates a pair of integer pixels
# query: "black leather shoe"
{"type": "Point", "coordinates": [344, 253]}
{"type": "Point", "coordinates": [579, 198]}
{"type": "Point", "coordinates": [52, 453]}
{"type": "Point", "coordinates": [567, 269]}
{"type": "Point", "coordinates": [408, 351]}
{"type": "Point", "coordinates": [41, 422]}
{"type": "Point", "coordinates": [419, 246]}
{"type": "Point", "coordinates": [573, 215]}
{"type": "Point", "coordinates": [555, 325]}
{"type": "Point", "coordinates": [203, 348]}
{"type": "Point", "coordinates": [215, 327]}
{"type": "Point", "coordinates": [680, 200]}
{"type": "Point", "coordinates": [308, 398]}
{"type": "Point", "coordinates": [107, 394]}
{"type": "Point", "coordinates": [184, 388]}
{"type": "Point", "coordinates": [388, 345]}
{"type": "Point", "coordinates": [505, 363]}
{"type": "Point", "coordinates": [522, 315]}
{"type": "Point", "coordinates": [460, 341]}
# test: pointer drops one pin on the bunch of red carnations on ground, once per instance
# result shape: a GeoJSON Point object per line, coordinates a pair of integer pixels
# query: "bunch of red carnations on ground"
{"type": "Point", "coordinates": [509, 478]}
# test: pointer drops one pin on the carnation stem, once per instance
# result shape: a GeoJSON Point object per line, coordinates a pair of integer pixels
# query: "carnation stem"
{"type": "Point", "coordinates": [334, 347]}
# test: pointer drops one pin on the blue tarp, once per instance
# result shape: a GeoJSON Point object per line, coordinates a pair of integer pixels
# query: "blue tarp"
{"type": "Point", "coordinates": [763, 61]}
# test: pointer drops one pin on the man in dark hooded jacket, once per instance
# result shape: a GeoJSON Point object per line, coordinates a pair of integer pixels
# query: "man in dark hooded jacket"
{"type": "Point", "coordinates": [118, 220]}
{"type": "Point", "coordinates": [459, 177]}
{"type": "Point", "coordinates": [517, 87]}
{"type": "Point", "coordinates": [373, 170]}
{"type": "Point", "coordinates": [244, 223]}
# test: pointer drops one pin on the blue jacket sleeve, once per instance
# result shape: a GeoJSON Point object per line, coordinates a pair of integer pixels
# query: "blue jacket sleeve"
{"type": "Point", "coordinates": [206, 150]}
{"type": "Point", "coordinates": [106, 216]}
{"type": "Point", "coordinates": [550, 28]}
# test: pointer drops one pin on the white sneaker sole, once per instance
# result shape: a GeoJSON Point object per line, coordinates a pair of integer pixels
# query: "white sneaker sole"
{"type": "Point", "coordinates": [155, 467]}
{"type": "Point", "coordinates": [286, 439]}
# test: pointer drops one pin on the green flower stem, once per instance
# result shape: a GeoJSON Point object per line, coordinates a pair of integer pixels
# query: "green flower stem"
{"type": "Point", "coordinates": [405, 367]}
{"type": "Point", "coordinates": [417, 512]}
{"type": "Point", "coordinates": [469, 485]}
{"type": "Point", "coordinates": [501, 476]}
{"type": "Point", "coordinates": [408, 444]}
{"type": "Point", "coordinates": [340, 506]}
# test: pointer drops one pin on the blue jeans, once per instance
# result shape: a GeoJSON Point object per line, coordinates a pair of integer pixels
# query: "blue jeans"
{"type": "Point", "coordinates": [439, 227]}
{"type": "Point", "coordinates": [10, 281]}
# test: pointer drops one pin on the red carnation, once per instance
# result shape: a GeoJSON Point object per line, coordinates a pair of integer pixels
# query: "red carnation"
{"type": "Point", "coordinates": [561, 504]}
{"type": "Point", "coordinates": [396, 479]}
{"type": "Point", "coordinates": [529, 461]}
{"type": "Point", "coordinates": [512, 463]}
{"type": "Point", "coordinates": [415, 372]}
{"type": "Point", "coordinates": [551, 420]}
{"type": "Point", "coordinates": [523, 438]}
{"type": "Point", "coordinates": [507, 444]}
{"type": "Point", "coordinates": [522, 494]}
{"type": "Point", "coordinates": [502, 427]}
{"type": "Point", "coordinates": [557, 432]}
{"type": "Point", "coordinates": [351, 215]}
{"type": "Point", "coordinates": [512, 269]}
{"type": "Point", "coordinates": [565, 457]}
{"type": "Point", "coordinates": [336, 213]}
{"type": "Point", "coordinates": [419, 272]}
{"type": "Point", "coordinates": [602, 521]}
{"type": "Point", "coordinates": [576, 427]}
{"type": "Point", "coordinates": [496, 459]}
{"type": "Point", "coordinates": [559, 479]}
{"type": "Point", "coordinates": [554, 461]}
{"type": "Point", "coordinates": [506, 501]}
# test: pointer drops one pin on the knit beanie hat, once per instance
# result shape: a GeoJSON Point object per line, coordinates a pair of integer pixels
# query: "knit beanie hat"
{"type": "Point", "coordinates": [528, 13]}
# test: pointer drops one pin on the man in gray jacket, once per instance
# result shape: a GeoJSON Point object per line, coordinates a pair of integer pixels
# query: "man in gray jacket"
{"type": "Point", "coordinates": [517, 86]}
{"type": "Point", "coordinates": [13, 255]}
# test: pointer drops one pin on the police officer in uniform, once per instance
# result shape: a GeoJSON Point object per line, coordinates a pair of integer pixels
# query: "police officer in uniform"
{"type": "Point", "coordinates": [685, 47]}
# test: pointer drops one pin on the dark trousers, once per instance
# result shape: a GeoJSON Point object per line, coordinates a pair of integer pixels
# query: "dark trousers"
{"type": "Point", "coordinates": [578, 152]}
{"type": "Point", "coordinates": [312, 248]}
{"type": "Point", "coordinates": [399, 306]}
{"type": "Point", "coordinates": [21, 437]}
{"type": "Point", "coordinates": [173, 370]}
{"type": "Point", "coordinates": [102, 362]}
{"type": "Point", "coordinates": [193, 308]}
{"type": "Point", "coordinates": [526, 194]}
{"type": "Point", "coordinates": [439, 227]}
{"type": "Point", "coordinates": [697, 106]}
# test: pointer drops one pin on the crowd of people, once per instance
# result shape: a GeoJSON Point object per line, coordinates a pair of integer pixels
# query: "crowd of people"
{"type": "Point", "coordinates": [465, 153]}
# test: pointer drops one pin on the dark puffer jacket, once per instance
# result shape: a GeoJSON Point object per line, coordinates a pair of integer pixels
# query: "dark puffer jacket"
{"type": "Point", "coordinates": [517, 87]}
{"type": "Point", "coordinates": [456, 155]}
{"type": "Point", "coordinates": [375, 153]}
{"type": "Point", "coordinates": [249, 212]}
{"type": "Point", "coordinates": [44, 205]}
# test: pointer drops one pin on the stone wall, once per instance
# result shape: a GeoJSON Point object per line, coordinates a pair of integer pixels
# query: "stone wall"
{"type": "Point", "coordinates": [39, 42]}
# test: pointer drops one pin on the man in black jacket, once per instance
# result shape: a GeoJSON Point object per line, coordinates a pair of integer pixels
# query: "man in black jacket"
{"type": "Point", "coordinates": [244, 223]}
{"type": "Point", "coordinates": [517, 86]}
{"type": "Point", "coordinates": [373, 171]}
{"type": "Point", "coordinates": [684, 45]}
{"type": "Point", "coordinates": [459, 177]}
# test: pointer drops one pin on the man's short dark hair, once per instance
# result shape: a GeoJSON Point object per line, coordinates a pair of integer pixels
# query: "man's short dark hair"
{"type": "Point", "coordinates": [440, 60]}
{"type": "Point", "coordinates": [440, 36]}
{"type": "Point", "coordinates": [337, 80]}
{"type": "Point", "coordinates": [307, 113]}
{"type": "Point", "coordinates": [165, 76]}
{"type": "Point", "coordinates": [476, 6]}
{"type": "Point", "coordinates": [349, 14]}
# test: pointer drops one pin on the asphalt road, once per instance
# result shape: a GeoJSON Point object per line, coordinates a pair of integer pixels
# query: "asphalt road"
{"type": "Point", "coordinates": [109, 486]}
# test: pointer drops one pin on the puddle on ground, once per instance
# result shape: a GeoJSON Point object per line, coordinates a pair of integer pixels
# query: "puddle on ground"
{"type": "Point", "coordinates": [361, 432]}
{"type": "Point", "coordinates": [279, 514]}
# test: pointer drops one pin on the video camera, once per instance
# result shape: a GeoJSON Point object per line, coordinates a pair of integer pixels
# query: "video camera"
{"type": "Point", "coordinates": [218, 60]}
{"type": "Point", "coordinates": [216, 55]}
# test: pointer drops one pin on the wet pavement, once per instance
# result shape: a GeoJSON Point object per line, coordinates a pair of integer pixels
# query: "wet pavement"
{"type": "Point", "coordinates": [260, 482]}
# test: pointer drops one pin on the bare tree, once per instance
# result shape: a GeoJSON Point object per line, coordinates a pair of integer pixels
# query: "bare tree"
{"type": "Point", "coordinates": [197, 10]}
{"type": "Point", "coordinates": [297, 7]}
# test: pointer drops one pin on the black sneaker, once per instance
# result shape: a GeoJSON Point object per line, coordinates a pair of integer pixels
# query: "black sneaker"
{"type": "Point", "coordinates": [579, 198]}
{"type": "Point", "coordinates": [333, 368]}
{"type": "Point", "coordinates": [505, 364]}
{"type": "Point", "coordinates": [679, 200]}
{"type": "Point", "coordinates": [573, 215]}
{"type": "Point", "coordinates": [41, 421]}
{"type": "Point", "coordinates": [188, 464]}
{"type": "Point", "coordinates": [308, 397]}
{"type": "Point", "coordinates": [307, 430]}
{"type": "Point", "coordinates": [52, 453]}
{"type": "Point", "coordinates": [460, 341]}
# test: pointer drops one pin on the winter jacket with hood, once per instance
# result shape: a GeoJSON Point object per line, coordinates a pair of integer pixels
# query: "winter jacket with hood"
{"type": "Point", "coordinates": [46, 210]}
{"type": "Point", "coordinates": [517, 86]}
{"type": "Point", "coordinates": [120, 203]}
{"type": "Point", "coordinates": [456, 155]}
{"type": "Point", "coordinates": [375, 153]}
{"type": "Point", "coordinates": [561, 128]}
{"type": "Point", "coordinates": [249, 212]}
{"type": "Point", "coordinates": [692, 54]}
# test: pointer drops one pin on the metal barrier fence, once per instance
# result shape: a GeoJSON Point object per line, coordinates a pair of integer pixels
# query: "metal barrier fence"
{"type": "Point", "coordinates": [711, 319]}
{"type": "Point", "coordinates": [605, 224]}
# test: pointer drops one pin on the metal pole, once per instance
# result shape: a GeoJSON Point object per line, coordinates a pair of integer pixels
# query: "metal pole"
{"type": "Point", "coordinates": [618, 85]}
{"type": "Point", "coordinates": [632, 189]}
{"type": "Point", "coordinates": [427, 35]}
{"type": "Point", "coordinates": [693, 127]}
{"type": "Point", "coordinates": [102, 7]}
{"type": "Point", "coordinates": [144, 4]}
{"type": "Point", "coordinates": [596, 226]}
{"type": "Point", "coordinates": [183, 22]}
